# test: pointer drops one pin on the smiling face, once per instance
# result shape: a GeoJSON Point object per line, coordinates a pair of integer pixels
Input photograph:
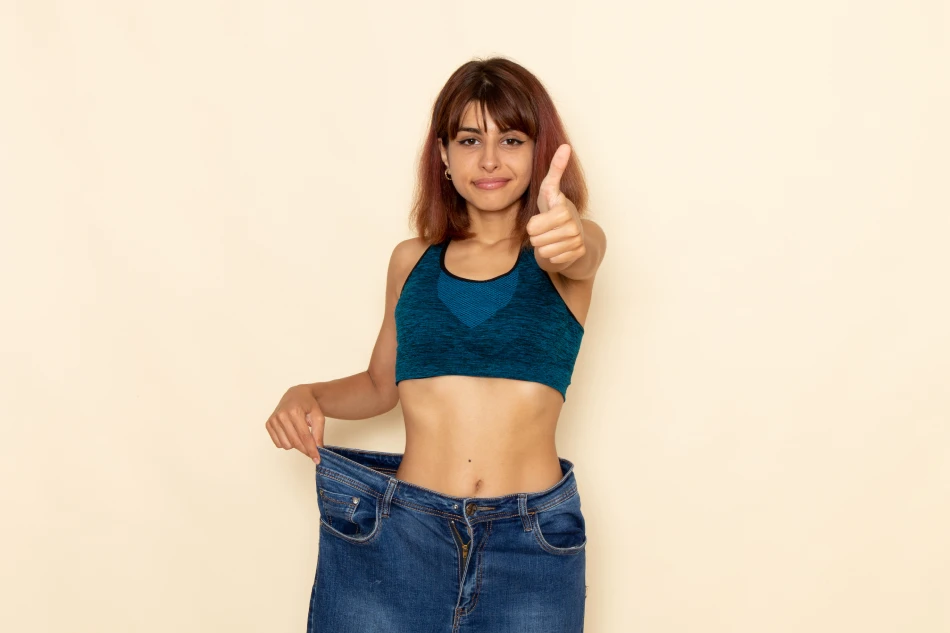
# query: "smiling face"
{"type": "Point", "coordinates": [490, 168]}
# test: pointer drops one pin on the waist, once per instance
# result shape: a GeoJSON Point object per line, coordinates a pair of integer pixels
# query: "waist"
{"type": "Point", "coordinates": [374, 473]}
{"type": "Point", "coordinates": [473, 436]}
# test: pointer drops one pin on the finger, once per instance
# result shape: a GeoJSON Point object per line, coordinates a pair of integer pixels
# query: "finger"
{"type": "Point", "coordinates": [567, 256]}
{"type": "Point", "coordinates": [290, 430]}
{"type": "Point", "coordinates": [307, 445]}
{"type": "Point", "coordinates": [558, 165]}
{"type": "Point", "coordinates": [298, 432]}
{"type": "Point", "coordinates": [551, 251]}
{"type": "Point", "coordinates": [284, 440]}
{"type": "Point", "coordinates": [316, 433]}
{"type": "Point", "coordinates": [551, 185]}
{"type": "Point", "coordinates": [272, 433]}
{"type": "Point", "coordinates": [565, 232]}
{"type": "Point", "coordinates": [543, 222]}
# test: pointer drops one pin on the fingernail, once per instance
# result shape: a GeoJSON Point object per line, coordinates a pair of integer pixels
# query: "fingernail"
{"type": "Point", "coordinates": [316, 460]}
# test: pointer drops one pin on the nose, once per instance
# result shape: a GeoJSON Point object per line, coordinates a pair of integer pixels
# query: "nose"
{"type": "Point", "coordinates": [489, 158]}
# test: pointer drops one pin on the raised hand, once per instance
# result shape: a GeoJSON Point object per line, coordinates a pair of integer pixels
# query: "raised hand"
{"type": "Point", "coordinates": [557, 232]}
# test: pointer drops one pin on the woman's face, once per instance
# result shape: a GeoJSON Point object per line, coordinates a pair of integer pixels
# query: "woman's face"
{"type": "Point", "coordinates": [476, 157]}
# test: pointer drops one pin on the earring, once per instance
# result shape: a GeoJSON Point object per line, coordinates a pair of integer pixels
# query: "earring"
{"type": "Point", "coordinates": [447, 176]}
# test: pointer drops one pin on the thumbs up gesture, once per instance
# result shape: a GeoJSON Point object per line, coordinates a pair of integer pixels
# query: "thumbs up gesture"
{"type": "Point", "coordinates": [556, 233]}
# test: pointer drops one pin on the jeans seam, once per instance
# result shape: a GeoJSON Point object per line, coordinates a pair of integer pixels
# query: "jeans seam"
{"type": "Point", "coordinates": [478, 569]}
{"type": "Point", "coordinates": [565, 551]}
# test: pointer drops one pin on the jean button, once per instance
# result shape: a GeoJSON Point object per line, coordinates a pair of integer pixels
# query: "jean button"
{"type": "Point", "coordinates": [470, 509]}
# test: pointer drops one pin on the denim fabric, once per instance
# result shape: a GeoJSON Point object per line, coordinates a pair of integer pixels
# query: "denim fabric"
{"type": "Point", "coordinates": [395, 557]}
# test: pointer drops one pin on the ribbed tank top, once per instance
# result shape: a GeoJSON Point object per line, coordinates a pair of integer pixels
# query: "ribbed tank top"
{"type": "Point", "coordinates": [515, 325]}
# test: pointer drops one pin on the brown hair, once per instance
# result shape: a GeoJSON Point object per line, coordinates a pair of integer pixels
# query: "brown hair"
{"type": "Point", "coordinates": [517, 100]}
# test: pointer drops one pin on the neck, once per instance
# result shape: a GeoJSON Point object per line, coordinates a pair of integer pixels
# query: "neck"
{"type": "Point", "coordinates": [493, 227]}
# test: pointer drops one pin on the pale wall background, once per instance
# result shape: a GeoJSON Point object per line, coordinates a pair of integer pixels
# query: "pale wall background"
{"type": "Point", "coordinates": [199, 200]}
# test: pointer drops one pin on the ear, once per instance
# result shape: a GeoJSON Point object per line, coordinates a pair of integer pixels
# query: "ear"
{"type": "Point", "coordinates": [444, 152]}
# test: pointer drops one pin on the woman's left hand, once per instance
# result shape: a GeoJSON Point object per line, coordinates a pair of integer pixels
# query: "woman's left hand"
{"type": "Point", "coordinates": [557, 232]}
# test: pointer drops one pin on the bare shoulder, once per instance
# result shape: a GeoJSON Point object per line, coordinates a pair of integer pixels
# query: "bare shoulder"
{"type": "Point", "coordinates": [404, 257]}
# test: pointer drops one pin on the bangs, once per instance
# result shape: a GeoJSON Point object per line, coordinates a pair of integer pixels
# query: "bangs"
{"type": "Point", "coordinates": [509, 107]}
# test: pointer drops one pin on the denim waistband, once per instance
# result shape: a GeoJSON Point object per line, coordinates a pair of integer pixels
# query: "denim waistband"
{"type": "Point", "coordinates": [374, 471]}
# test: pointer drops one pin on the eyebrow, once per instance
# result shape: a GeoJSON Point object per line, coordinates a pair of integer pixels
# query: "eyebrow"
{"type": "Point", "coordinates": [476, 130]}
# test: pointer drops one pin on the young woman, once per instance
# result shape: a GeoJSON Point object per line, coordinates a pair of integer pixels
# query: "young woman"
{"type": "Point", "coordinates": [478, 525]}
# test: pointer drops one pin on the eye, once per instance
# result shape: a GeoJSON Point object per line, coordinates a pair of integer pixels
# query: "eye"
{"type": "Point", "coordinates": [464, 141]}
{"type": "Point", "coordinates": [517, 141]}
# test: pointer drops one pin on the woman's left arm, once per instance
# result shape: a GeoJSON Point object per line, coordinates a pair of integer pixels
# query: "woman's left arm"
{"type": "Point", "coordinates": [563, 241]}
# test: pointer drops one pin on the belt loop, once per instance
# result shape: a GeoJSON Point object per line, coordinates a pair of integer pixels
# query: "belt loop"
{"type": "Point", "coordinates": [388, 497]}
{"type": "Point", "coordinates": [523, 511]}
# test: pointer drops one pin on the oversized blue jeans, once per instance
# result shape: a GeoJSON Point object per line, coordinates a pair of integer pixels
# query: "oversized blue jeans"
{"type": "Point", "coordinates": [395, 557]}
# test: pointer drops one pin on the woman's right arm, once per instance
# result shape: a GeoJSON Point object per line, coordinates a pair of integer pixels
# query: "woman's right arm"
{"type": "Point", "coordinates": [299, 419]}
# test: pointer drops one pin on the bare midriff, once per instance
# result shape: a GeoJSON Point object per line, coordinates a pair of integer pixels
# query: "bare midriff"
{"type": "Point", "coordinates": [470, 436]}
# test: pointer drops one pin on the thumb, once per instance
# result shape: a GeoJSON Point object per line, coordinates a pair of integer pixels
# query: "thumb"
{"type": "Point", "coordinates": [550, 188]}
{"type": "Point", "coordinates": [316, 430]}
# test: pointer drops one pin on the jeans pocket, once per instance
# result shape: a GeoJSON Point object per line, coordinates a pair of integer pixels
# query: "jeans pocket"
{"type": "Point", "coordinates": [349, 510]}
{"type": "Point", "coordinates": [561, 529]}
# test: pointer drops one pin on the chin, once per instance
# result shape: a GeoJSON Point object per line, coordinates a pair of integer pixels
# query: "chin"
{"type": "Point", "coordinates": [494, 207]}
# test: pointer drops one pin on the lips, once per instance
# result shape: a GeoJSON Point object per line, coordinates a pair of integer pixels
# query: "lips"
{"type": "Point", "coordinates": [490, 183]}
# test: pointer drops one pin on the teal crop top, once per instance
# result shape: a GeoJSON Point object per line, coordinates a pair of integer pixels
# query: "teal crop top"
{"type": "Point", "coordinates": [515, 325]}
